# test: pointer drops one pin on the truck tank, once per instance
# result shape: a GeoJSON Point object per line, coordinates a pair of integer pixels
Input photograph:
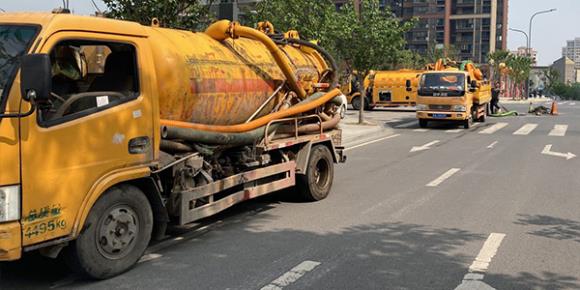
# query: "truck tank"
{"type": "Point", "coordinates": [207, 81]}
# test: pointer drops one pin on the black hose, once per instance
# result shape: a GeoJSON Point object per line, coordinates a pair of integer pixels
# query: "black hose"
{"type": "Point", "coordinates": [325, 54]}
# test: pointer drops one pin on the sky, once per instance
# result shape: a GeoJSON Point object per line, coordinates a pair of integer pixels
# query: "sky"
{"type": "Point", "coordinates": [549, 35]}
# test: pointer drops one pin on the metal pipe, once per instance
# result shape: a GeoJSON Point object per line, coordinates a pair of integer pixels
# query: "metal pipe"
{"type": "Point", "coordinates": [225, 29]}
{"type": "Point", "coordinates": [173, 146]}
{"type": "Point", "coordinates": [310, 128]}
{"type": "Point", "coordinates": [311, 103]}
{"type": "Point", "coordinates": [266, 102]}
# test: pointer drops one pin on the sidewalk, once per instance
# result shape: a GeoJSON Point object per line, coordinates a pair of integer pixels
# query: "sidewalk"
{"type": "Point", "coordinates": [354, 134]}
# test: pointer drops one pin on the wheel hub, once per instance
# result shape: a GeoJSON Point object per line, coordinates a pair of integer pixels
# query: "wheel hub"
{"type": "Point", "coordinates": [117, 232]}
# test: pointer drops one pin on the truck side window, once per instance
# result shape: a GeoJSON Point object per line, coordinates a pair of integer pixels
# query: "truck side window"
{"type": "Point", "coordinates": [88, 77]}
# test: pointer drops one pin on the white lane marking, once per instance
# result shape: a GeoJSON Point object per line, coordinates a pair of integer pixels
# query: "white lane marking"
{"type": "Point", "coordinates": [487, 252]}
{"type": "Point", "coordinates": [421, 130]}
{"type": "Point", "coordinates": [526, 129]}
{"type": "Point", "coordinates": [443, 177]}
{"type": "Point", "coordinates": [475, 124]}
{"type": "Point", "coordinates": [473, 278]}
{"type": "Point", "coordinates": [453, 131]}
{"type": "Point", "coordinates": [559, 130]}
{"type": "Point", "coordinates": [493, 128]}
{"type": "Point", "coordinates": [561, 103]}
{"type": "Point", "coordinates": [291, 276]}
{"type": "Point", "coordinates": [424, 147]}
{"type": "Point", "coordinates": [492, 145]}
{"type": "Point", "coordinates": [149, 257]}
{"type": "Point", "coordinates": [373, 141]}
{"type": "Point", "coordinates": [548, 151]}
{"type": "Point", "coordinates": [393, 121]}
{"type": "Point", "coordinates": [406, 125]}
{"type": "Point", "coordinates": [572, 104]}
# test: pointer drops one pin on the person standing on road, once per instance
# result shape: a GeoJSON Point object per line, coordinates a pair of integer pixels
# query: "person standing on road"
{"type": "Point", "coordinates": [495, 98]}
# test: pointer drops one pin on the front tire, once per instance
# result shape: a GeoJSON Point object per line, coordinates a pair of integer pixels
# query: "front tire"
{"type": "Point", "coordinates": [467, 123]}
{"type": "Point", "coordinates": [315, 185]}
{"type": "Point", "coordinates": [116, 234]}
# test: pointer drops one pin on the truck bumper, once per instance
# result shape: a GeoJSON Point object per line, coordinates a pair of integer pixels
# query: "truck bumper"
{"type": "Point", "coordinates": [443, 116]}
{"type": "Point", "coordinates": [10, 241]}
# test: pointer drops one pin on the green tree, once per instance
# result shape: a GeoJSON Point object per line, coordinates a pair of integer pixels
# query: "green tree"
{"type": "Point", "coordinates": [520, 67]}
{"type": "Point", "coordinates": [496, 59]}
{"type": "Point", "coordinates": [371, 39]}
{"type": "Point", "coordinates": [435, 52]}
{"type": "Point", "coordinates": [552, 77]}
{"type": "Point", "coordinates": [184, 14]}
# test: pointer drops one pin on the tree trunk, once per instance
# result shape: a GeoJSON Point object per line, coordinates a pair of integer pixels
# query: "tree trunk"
{"type": "Point", "coordinates": [362, 91]}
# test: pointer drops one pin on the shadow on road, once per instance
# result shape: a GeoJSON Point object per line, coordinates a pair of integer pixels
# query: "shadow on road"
{"type": "Point", "coordinates": [247, 252]}
{"type": "Point", "coordinates": [551, 227]}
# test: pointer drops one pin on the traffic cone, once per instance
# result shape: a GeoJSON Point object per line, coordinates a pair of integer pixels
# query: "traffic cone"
{"type": "Point", "coordinates": [554, 110]}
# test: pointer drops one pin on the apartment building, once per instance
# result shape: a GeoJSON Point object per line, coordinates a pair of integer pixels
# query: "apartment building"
{"type": "Point", "coordinates": [572, 51]}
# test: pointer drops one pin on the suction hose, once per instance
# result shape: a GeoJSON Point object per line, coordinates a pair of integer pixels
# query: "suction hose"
{"type": "Point", "coordinates": [314, 101]}
{"type": "Point", "coordinates": [324, 53]}
{"type": "Point", "coordinates": [225, 29]}
{"type": "Point", "coordinates": [190, 133]}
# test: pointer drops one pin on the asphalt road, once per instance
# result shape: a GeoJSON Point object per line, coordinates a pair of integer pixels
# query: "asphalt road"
{"type": "Point", "coordinates": [478, 210]}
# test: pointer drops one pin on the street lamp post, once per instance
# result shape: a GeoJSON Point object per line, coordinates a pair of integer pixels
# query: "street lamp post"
{"type": "Point", "coordinates": [529, 49]}
{"type": "Point", "coordinates": [527, 38]}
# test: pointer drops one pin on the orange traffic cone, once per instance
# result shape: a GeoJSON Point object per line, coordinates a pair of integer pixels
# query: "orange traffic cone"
{"type": "Point", "coordinates": [554, 110]}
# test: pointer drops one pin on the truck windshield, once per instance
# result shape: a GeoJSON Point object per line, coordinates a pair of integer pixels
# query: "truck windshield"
{"type": "Point", "coordinates": [442, 85]}
{"type": "Point", "coordinates": [14, 41]}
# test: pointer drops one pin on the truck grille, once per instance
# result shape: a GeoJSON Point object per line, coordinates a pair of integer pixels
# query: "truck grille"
{"type": "Point", "coordinates": [440, 107]}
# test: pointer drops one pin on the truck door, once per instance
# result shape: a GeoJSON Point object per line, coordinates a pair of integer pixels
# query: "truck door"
{"type": "Point", "coordinates": [100, 122]}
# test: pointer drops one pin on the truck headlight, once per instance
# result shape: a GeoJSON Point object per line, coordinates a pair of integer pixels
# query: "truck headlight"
{"type": "Point", "coordinates": [9, 203]}
{"type": "Point", "coordinates": [422, 107]}
{"type": "Point", "coordinates": [458, 108]}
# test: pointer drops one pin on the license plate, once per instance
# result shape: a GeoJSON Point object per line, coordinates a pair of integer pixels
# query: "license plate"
{"type": "Point", "coordinates": [439, 116]}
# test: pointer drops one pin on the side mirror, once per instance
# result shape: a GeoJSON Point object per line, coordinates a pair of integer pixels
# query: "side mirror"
{"type": "Point", "coordinates": [36, 78]}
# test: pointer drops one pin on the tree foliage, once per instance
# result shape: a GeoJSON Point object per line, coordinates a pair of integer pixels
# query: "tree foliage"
{"type": "Point", "coordinates": [496, 59]}
{"type": "Point", "coordinates": [373, 39]}
{"type": "Point", "coordinates": [552, 77]}
{"type": "Point", "coordinates": [185, 14]}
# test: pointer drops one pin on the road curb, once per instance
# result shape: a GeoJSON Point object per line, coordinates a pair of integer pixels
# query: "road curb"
{"type": "Point", "coordinates": [376, 132]}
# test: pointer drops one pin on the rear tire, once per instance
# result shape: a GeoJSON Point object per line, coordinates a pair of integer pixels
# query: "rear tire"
{"type": "Point", "coordinates": [315, 185]}
{"type": "Point", "coordinates": [116, 234]}
{"type": "Point", "coordinates": [423, 123]}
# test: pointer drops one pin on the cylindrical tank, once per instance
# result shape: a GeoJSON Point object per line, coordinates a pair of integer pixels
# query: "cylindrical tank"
{"type": "Point", "coordinates": [202, 80]}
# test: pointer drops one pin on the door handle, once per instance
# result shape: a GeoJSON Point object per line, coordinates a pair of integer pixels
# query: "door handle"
{"type": "Point", "coordinates": [139, 145]}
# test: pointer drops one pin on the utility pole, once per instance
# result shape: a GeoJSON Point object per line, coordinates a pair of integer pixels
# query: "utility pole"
{"type": "Point", "coordinates": [360, 74]}
{"type": "Point", "coordinates": [529, 52]}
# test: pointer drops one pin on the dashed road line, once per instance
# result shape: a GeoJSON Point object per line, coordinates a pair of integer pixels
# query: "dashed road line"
{"type": "Point", "coordinates": [371, 142]}
{"type": "Point", "coordinates": [559, 130]}
{"type": "Point", "coordinates": [421, 130]}
{"type": "Point", "coordinates": [443, 177]}
{"type": "Point", "coordinates": [526, 129]}
{"type": "Point", "coordinates": [473, 279]}
{"type": "Point", "coordinates": [572, 104]}
{"type": "Point", "coordinates": [494, 128]}
{"type": "Point", "coordinates": [292, 276]}
{"type": "Point", "coordinates": [453, 131]}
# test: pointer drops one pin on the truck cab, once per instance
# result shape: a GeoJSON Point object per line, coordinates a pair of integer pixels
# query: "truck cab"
{"type": "Point", "coordinates": [388, 89]}
{"type": "Point", "coordinates": [451, 95]}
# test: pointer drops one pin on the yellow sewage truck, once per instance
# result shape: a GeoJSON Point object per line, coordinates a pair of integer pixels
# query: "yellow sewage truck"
{"type": "Point", "coordinates": [111, 131]}
{"type": "Point", "coordinates": [458, 95]}
{"type": "Point", "coordinates": [388, 89]}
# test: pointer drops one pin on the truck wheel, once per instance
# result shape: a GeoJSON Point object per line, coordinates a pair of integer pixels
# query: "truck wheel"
{"type": "Point", "coordinates": [423, 123]}
{"type": "Point", "coordinates": [116, 234]}
{"type": "Point", "coordinates": [355, 102]}
{"type": "Point", "coordinates": [315, 185]}
{"type": "Point", "coordinates": [483, 116]}
{"type": "Point", "coordinates": [467, 123]}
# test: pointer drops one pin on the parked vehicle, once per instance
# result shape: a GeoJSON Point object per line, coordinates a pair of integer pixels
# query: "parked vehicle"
{"type": "Point", "coordinates": [111, 131]}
